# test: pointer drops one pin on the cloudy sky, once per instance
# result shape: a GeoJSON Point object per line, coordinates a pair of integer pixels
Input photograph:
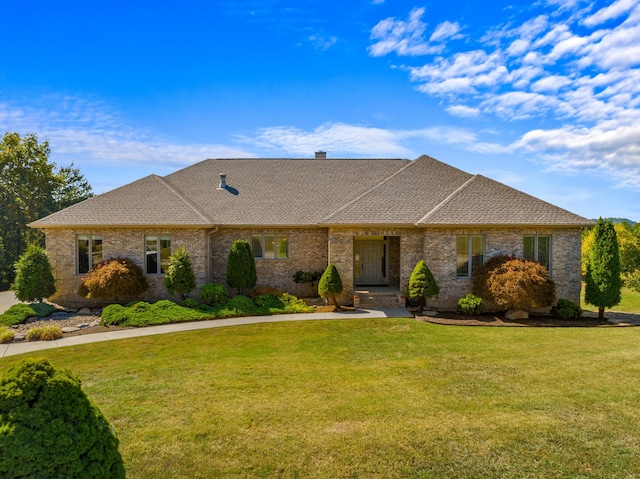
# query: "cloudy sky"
{"type": "Point", "coordinates": [543, 96]}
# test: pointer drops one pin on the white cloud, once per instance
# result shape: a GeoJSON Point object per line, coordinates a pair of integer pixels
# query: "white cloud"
{"type": "Point", "coordinates": [89, 132]}
{"type": "Point", "coordinates": [445, 31]}
{"type": "Point", "coordinates": [463, 111]}
{"type": "Point", "coordinates": [551, 83]}
{"type": "Point", "coordinates": [322, 42]}
{"type": "Point", "coordinates": [610, 12]}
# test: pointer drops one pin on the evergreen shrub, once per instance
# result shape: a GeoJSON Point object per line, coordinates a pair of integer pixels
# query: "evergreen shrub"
{"type": "Point", "coordinates": [190, 303]}
{"type": "Point", "coordinates": [180, 277]}
{"type": "Point", "coordinates": [470, 304]}
{"type": "Point", "coordinates": [565, 309]}
{"type": "Point", "coordinates": [422, 284]}
{"type": "Point", "coordinates": [50, 428]}
{"type": "Point", "coordinates": [241, 267]}
{"type": "Point", "coordinates": [330, 285]}
{"type": "Point", "coordinates": [34, 279]}
{"type": "Point", "coordinates": [18, 313]}
{"type": "Point", "coordinates": [214, 294]}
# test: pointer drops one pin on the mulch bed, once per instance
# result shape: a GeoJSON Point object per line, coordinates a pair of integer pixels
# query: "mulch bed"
{"type": "Point", "coordinates": [455, 319]}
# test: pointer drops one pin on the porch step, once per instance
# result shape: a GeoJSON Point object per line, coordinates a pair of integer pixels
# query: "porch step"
{"type": "Point", "coordinates": [373, 300]}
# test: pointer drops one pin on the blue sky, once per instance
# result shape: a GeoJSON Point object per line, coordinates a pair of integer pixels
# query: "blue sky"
{"type": "Point", "coordinates": [544, 97]}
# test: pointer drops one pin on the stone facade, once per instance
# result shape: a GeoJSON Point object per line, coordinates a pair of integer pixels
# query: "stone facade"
{"type": "Point", "coordinates": [311, 249]}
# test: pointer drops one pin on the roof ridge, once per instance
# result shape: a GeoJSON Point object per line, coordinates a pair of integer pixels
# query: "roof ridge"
{"type": "Point", "coordinates": [448, 198]}
{"type": "Point", "coordinates": [181, 197]}
{"type": "Point", "coordinates": [362, 195]}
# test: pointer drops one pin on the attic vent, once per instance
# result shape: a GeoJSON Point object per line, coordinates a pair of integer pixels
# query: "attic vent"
{"type": "Point", "coordinates": [223, 181]}
{"type": "Point", "coordinates": [321, 155]}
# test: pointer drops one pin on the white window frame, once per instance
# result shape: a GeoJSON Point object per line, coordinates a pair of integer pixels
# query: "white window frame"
{"type": "Point", "coordinates": [94, 254]}
{"type": "Point", "coordinates": [158, 238]}
{"type": "Point", "coordinates": [263, 238]}
{"type": "Point", "coordinates": [469, 255]}
{"type": "Point", "coordinates": [536, 249]}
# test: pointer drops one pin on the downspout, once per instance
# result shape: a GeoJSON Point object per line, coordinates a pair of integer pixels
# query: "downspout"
{"type": "Point", "coordinates": [209, 253]}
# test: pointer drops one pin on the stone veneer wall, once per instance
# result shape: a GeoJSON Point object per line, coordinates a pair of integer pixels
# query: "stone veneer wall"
{"type": "Point", "coordinates": [307, 252]}
{"type": "Point", "coordinates": [121, 242]}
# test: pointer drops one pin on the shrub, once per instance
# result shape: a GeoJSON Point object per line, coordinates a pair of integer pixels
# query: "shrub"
{"type": "Point", "coordinates": [311, 277]}
{"type": "Point", "coordinates": [294, 305]}
{"type": "Point", "coordinates": [114, 278]}
{"type": "Point", "coordinates": [6, 335]}
{"type": "Point", "coordinates": [190, 303]}
{"type": "Point", "coordinates": [633, 280]}
{"type": "Point", "coordinates": [18, 313]}
{"type": "Point", "coordinates": [214, 294]}
{"type": "Point", "coordinates": [144, 314]}
{"type": "Point", "coordinates": [268, 301]}
{"type": "Point", "coordinates": [241, 304]}
{"type": "Point", "coordinates": [260, 290]}
{"type": "Point", "coordinates": [50, 428]}
{"type": "Point", "coordinates": [470, 304]}
{"type": "Point", "coordinates": [480, 280]}
{"type": "Point", "coordinates": [34, 279]}
{"type": "Point", "coordinates": [241, 267]}
{"type": "Point", "coordinates": [180, 277]}
{"type": "Point", "coordinates": [422, 284]}
{"type": "Point", "coordinates": [44, 333]}
{"type": "Point", "coordinates": [521, 284]}
{"type": "Point", "coordinates": [330, 285]}
{"type": "Point", "coordinates": [603, 284]}
{"type": "Point", "coordinates": [566, 309]}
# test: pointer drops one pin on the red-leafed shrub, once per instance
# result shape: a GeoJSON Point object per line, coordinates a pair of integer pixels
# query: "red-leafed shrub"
{"type": "Point", "coordinates": [521, 284]}
{"type": "Point", "coordinates": [480, 279]}
{"type": "Point", "coordinates": [114, 278]}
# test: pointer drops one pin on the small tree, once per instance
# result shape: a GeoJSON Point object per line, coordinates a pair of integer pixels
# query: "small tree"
{"type": "Point", "coordinates": [521, 284]}
{"type": "Point", "coordinates": [50, 428]}
{"type": "Point", "coordinates": [241, 267]}
{"type": "Point", "coordinates": [330, 285]}
{"type": "Point", "coordinates": [114, 278]}
{"type": "Point", "coordinates": [34, 279]}
{"type": "Point", "coordinates": [603, 282]}
{"type": "Point", "coordinates": [180, 277]}
{"type": "Point", "coordinates": [422, 284]}
{"type": "Point", "coordinates": [479, 282]}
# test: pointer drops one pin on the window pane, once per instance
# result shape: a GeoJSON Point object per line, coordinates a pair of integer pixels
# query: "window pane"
{"type": "Point", "coordinates": [96, 250]}
{"type": "Point", "coordinates": [477, 252]}
{"type": "Point", "coordinates": [151, 247]}
{"type": "Point", "coordinates": [256, 246]}
{"type": "Point", "coordinates": [530, 248]}
{"type": "Point", "coordinates": [462, 262]}
{"type": "Point", "coordinates": [165, 253]}
{"type": "Point", "coordinates": [269, 246]}
{"type": "Point", "coordinates": [544, 251]}
{"type": "Point", "coordinates": [283, 247]}
{"type": "Point", "coordinates": [83, 254]}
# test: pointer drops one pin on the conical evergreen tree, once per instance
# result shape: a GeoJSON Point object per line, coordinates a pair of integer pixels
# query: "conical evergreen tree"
{"type": "Point", "coordinates": [34, 279]}
{"type": "Point", "coordinates": [180, 277]}
{"type": "Point", "coordinates": [422, 284]}
{"type": "Point", "coordinates": [330, 285]}
{"type": "Point", "coordinates": [603, 282]}
{"type": "Point", "coordinates": [241, 267]}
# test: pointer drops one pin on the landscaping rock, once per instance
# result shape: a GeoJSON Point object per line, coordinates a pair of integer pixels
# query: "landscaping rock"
{"type": "Point", "coordinates": [83, 325]}
{"type": "Point", "coordinates": [70, 329]}
{"type": "Point", "coordinates": [516, 314]}
{"type": "Point", "coordinates": [32, 319]}
{"type": "Point", "coordinates": [95, 322]}
{"type": "Point", "coordinates": [19, 337]}
{"type": "Point", "coordinates": [60, 315]}
{"type": "Point", "coordinates": [84, 312]}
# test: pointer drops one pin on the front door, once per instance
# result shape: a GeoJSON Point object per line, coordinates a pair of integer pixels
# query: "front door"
{"type": "Point", "coordinates": [371, 259]}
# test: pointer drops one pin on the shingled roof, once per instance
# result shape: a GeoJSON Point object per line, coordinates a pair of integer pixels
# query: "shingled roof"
{"type": "Point", "coordinates": [313, 192]}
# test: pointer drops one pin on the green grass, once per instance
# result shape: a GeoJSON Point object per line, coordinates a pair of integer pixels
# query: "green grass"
{"type": "Point", "coordinates": [630, 302]}
{"type": "Point", "coordinates": [369, 399]}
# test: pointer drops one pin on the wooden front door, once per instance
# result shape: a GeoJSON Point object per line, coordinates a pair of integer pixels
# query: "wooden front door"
{"type": "Point", "coordinates": [371, 259]}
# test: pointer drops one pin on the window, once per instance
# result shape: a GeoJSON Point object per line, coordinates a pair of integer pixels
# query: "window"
{"type": "Point", "coordinates": [89, 252]}
{"type": "Point", "coordinates": [270, 246]}
{"type": "Point", "coordinates": [538, 248]}
{"type": "Point", "coordinates": [470, 254]}
{"type": "Point", "coordinates": [157, 251]}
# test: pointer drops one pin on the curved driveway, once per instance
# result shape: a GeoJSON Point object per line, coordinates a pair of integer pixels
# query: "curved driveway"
{"type": "Point", "coordinates": [7, 299]}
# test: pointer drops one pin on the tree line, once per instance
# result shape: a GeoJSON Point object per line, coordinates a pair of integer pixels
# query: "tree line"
{"type": "Point", "coordinates": [31, 187]}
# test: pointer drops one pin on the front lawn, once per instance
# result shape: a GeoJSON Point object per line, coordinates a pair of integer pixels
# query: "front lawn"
{"type": "Point", "coordinates": [381, 398]}
{"type": "Point", "coordinates": [630, 302]}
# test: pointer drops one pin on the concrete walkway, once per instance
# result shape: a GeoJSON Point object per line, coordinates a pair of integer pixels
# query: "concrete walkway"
{"type": "Point", "coordinates": [11, 349]}
{"type": "Point", "coordinates": [7, 299]}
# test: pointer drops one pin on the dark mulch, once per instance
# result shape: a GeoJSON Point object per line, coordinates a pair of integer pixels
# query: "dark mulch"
{"type": "Point", "coordinates": [488, 319]}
